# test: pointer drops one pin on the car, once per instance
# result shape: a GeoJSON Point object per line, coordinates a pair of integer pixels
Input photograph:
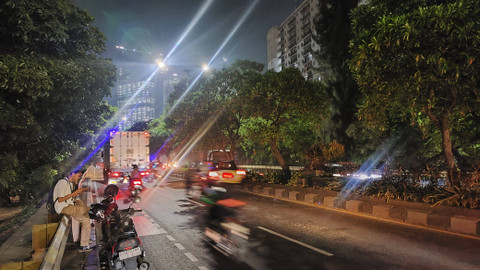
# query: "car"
{"type": "Point", "coordinates": [144, 174]}
{"type": "Point", "coordinates": [116, 177]}
{"type": "Point", "coordinates": [227, 172]}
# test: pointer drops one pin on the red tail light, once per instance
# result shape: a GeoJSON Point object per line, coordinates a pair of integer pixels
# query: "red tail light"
{"type": "Point", "coordinates": [137, 182]}
{"type": "Point", "coordinates": [227, 175]}
{"type": "Point", "coordinates": [241, 172]}
{"type": "Point", "coordinates": [144, 173]}
{"type": "Point", "coordinates": [115, 174]}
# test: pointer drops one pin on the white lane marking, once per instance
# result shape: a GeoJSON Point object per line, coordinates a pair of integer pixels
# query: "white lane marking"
{"type": "Point", "coordinates": [170, 238]}
{"type": "Point", "coordinates": [191, 257]}
{"type": "Point", "coordinates": [179, 246]}
{"type": "Point", "coordinates": [326, 253]}
{"type": "Point", "coordinates": [203, 268]}
{"type": "Point", "coordinates": [145, 227]}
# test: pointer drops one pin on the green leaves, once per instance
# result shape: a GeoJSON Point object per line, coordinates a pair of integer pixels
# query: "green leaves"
{"type": "Point", "coordinates": [52, 86]}
{"type": "Point", "coordinates": [428, 70]}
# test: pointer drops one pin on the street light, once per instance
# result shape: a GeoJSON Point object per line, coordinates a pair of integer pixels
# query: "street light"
{"type": "Point", "coordinates": [160, 64]}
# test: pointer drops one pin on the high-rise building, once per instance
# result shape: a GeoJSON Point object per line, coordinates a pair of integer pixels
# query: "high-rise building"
{"type": "Point", "coordinates": [135, 95]}
{"type": "Point", "coordinates": [291, 43]}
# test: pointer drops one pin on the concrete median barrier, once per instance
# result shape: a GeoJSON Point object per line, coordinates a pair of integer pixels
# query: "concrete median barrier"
{"type": "Point", "coordinates": [54, 255]}
{"type": "Point", "coordinates": [452, 219]}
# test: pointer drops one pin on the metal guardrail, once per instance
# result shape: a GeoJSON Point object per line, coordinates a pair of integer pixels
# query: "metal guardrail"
{"type": "Point", "coordinates": [266, 168]}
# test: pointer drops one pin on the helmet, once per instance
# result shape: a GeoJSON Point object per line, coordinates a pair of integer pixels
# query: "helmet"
{"type": "Point", "coordinates": [97, 211]}
{"type": "Point", "coordinates": [135, 166]}
{"type": "Point", "coordinates": [110, 190]}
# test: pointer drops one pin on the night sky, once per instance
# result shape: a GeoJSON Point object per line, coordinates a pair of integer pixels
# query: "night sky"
{"type": "Point", "coordinates": [153, 27]}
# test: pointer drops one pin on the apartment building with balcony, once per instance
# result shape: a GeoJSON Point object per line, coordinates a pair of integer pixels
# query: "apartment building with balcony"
{"type": "Point", "coordinates": [291, 43]}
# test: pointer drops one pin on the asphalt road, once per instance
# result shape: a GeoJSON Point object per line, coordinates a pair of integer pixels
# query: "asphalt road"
{"type": "Point", "coordinates": [287, 235]}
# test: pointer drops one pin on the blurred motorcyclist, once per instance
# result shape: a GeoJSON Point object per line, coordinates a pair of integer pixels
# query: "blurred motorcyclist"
{"type": "Point", "coordinates": [135, 172]}
{"type": "Point", "coordinates": [190, 178]}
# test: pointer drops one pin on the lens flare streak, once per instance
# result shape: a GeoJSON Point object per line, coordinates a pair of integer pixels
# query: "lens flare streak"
{"type": "Point", "coordinates": [194, 21]}
{"type": "Point", "coordinates": [193, 141]}
{"type": "Point", "coordinates": [234, 30]}
{"type": "Point", "coordinates": [362, 177]}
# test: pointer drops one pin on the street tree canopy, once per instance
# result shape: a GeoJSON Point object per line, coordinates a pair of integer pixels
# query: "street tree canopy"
{"type": "Point", "coordinates": [418, 60]}
{"type": "Point", "coordinates": [52, 87]}
{"type": "Point", "coordinates": [278, 101]}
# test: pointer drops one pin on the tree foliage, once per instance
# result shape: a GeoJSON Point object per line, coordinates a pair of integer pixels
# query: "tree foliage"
{"type": "Point", "coordinates": [212, 108]}
{"type": "Point", "coordinates": [418, 60]}
{"type": "Point", "coordinates": [333, 28]}
{"type": "Point", "coordinates": [278, 101]}
{"type": "Point", "coordinates": [53, 84]}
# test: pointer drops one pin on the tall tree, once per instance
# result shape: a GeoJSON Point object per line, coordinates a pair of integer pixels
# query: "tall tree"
{"type": "Point", "coordinates": [418, 60]}
{"type": "Point", "coordinates": [52, 87]}
{"type": "Point", "coordinates": [333, 27]}
{"type": "Point", "coordinates": [277, 101]}
{"type": "Point", "coordinates": [231, 85]}
{"type": "Point", "coordinates": [216, 101]}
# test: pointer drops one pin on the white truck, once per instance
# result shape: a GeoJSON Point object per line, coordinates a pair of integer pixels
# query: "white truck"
{"type": "Point", "coordinates": [126, 148]}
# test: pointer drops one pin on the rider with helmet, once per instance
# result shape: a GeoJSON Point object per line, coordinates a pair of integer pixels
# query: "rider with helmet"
{"type": "Point", "coordinates": [135, 173]}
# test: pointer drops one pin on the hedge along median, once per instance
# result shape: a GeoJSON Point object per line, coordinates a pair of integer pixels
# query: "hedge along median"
{"type": "Point", "coordinates": [453, 219]}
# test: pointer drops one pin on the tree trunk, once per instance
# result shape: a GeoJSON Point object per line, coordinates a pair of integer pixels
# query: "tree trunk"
{"type": "Point", "coordinates": [447, 150]}
{"type": "Point", "coordinates": [281, 161]}
{"type": "Point", "coordinates": [232, 150]}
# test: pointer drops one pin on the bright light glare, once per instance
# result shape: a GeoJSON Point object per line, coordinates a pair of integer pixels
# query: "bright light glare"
{"type": "Point", "coordinates": [205, 67]}
{"type": "Point", "coordinates": [160, 64]}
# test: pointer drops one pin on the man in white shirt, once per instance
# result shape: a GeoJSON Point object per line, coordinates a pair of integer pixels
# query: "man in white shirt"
{"type": "Point", "coordinates": [68, 204]}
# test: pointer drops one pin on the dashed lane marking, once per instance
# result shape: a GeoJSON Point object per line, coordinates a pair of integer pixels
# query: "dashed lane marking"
{"type": "Point", "coordinates": [170, 238]}
{"type": "Point", "coordinates": [326, 253]}
{"type": "Point", "coordinates": [145, 227]}
{"type": "Point", "coordinates": [179, 246]}
{"type": "Point", "coordinates": [203, 268]}
{"type": "Point", "coordinates": [191, 257]}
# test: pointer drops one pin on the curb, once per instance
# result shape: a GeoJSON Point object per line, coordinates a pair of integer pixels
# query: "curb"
{"type": "Point", "coordinates": [457, 223]}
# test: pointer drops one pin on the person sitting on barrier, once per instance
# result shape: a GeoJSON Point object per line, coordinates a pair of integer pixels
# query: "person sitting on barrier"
{"type": "Point", "coordinates": [66, 203]}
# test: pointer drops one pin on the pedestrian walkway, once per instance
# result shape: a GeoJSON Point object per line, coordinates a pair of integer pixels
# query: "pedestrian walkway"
{"type": "Point", "coordinates": [18, 248]}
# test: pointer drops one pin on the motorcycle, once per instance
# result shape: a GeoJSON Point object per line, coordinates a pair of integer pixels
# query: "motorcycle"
{"type": "Point", "coordinates": [122, 248]}
{"type": "Point", "coordinates": [194, 187]}
{"type": "Point", "coordinates": [224, 231]}
{"type": "Point", "coordinates": [135, 186]}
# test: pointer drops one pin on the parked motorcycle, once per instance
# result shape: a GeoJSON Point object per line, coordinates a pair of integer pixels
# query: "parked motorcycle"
{"type": "Point", "coordinates": [121, 246]}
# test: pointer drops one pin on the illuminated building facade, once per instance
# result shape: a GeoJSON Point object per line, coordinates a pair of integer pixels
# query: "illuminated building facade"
{"type": "Point", "coordinates": [291, 43]}
{"type": "Point", "coordinates": [135, 96]}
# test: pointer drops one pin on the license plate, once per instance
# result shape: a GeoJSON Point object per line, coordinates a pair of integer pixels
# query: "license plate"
{"type": "Point", "coordinates": [122, 255]}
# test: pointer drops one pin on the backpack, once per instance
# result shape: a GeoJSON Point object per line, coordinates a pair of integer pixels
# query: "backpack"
{"type": "Point", "coordinates": [50, 205]}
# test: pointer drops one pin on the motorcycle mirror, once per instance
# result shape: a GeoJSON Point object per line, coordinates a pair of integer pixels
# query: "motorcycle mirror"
{"type": "Point", "coordinates": [137, 199]}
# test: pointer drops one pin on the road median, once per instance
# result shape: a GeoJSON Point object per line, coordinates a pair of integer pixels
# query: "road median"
{"type": "Point", "coordinates": [449, 219]}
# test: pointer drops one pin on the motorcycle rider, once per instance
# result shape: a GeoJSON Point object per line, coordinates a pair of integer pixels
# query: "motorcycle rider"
{"type": "Point", "coordinates": [190, 178]}
{"type": "Point", "coordinates": [135, 172]}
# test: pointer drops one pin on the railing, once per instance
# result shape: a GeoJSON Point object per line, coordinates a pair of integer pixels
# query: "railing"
{"type": "Point", "coordinates": [267, 168]}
